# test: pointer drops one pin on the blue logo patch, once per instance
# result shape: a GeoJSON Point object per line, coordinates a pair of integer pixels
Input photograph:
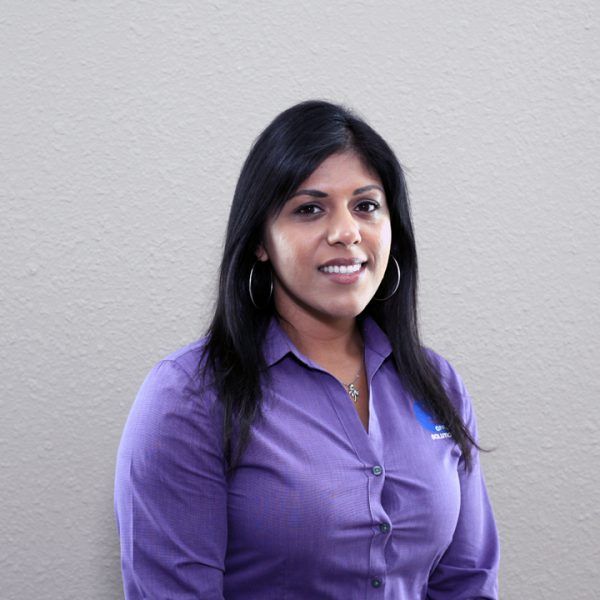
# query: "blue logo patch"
{"type": "Point", "coordinates": [438, 430]}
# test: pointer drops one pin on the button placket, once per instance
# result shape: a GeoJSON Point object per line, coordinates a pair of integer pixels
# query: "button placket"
{"type": "Point", "coordinates": [378, 566]}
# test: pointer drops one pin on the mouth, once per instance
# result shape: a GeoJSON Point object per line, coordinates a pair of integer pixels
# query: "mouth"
{"type": "Point", "coordinates": [355, 268]}
{"type": "Point", "coordinates": [343, 273]}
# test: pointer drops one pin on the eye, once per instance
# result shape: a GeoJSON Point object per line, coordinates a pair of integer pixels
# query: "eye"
{"type": "Point", "coordinates": [307, 209]}
{"type": "Point", "coordinates": [368, 205]}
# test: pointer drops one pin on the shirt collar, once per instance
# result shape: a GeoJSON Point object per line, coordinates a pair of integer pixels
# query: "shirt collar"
{"type": "Point", "coordinates": [277, 344]}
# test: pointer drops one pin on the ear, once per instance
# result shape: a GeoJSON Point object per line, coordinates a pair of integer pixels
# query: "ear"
{"type": "Point", "coordinates": [261, 253]}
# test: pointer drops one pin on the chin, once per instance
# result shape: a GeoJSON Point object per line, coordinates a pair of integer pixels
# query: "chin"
{"type": "Point", "coordinates": [344, 306]}
{"type": "Point", "coordinates": [345, 310]}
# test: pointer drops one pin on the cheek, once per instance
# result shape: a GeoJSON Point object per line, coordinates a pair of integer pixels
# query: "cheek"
{"type": "Point", "coordinates": [384, 243]}
{"type": "Point", "coordinates": [386, 238]}
{"type": "Point", "coordinates": [288, 251]}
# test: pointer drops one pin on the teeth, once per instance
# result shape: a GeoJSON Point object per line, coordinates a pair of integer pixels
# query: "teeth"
{"type": "Point", "coordinates": [341, 268]}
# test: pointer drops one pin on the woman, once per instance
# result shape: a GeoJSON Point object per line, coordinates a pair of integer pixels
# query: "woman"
{"type": "Point", "coordinates": [308, 446]}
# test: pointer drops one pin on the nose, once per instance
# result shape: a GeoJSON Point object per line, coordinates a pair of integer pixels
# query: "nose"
{"type": "Point", "coordinates": [343, 229]}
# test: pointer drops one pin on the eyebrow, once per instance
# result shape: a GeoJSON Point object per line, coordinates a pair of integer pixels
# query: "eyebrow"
{"type": "Point", "coordinates": [320, 194]}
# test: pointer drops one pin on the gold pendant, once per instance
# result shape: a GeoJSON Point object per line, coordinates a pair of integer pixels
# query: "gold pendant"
{"type": "Point", "coordinates": [353, 392]}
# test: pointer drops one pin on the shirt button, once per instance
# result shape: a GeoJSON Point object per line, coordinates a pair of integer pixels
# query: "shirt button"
{"type": "Point", "coordinates": [377, 470]}
{"type": "Point", "coordinates": [384, 527]}
{"type": "Point", "coordinates": [376, 582]}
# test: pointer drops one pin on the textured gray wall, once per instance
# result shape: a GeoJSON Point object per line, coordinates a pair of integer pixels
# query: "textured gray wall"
{"type": "Point", "coordinates": [123, 129]}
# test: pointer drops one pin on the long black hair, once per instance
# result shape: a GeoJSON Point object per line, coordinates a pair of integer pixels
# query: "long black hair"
{"type": "Point", "coordinates": [294, 144]}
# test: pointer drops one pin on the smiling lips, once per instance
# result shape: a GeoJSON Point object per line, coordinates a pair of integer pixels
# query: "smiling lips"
{"type": "Point", "coordinates": [341, 268]}
{"type": "Point", "coordinates": [346, 270]}
{"type": "Point", "coordinates": [343, 265]}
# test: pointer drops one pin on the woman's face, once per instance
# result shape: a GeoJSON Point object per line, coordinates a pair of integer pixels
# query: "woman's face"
{"type": "Point", "coordinates": [337, 217]}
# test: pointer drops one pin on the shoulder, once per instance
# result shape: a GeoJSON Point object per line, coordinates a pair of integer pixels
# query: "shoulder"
{"type": "Point", "coordinates": [452, 381]}
{"type": "Point", "coordinates": [173, 427]}
{"type": "Point", "coordinates": [189, 358]}
{"type": "Point", "coordinates": [171, 404]}
{"type": "Point", "coordinates": [445, 368]}
{"type": "Point", "coordinates": [174, 385]}
{"type": "Point", "coordinates": [186, 365]}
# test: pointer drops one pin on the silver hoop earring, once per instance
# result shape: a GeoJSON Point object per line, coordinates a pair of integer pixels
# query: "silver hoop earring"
{"type": "Point", "coordinates": [250, 289]}
{"type": "Point", "coordinates": [397, 282]}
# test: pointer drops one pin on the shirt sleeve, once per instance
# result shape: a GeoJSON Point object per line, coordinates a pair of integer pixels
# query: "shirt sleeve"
{"type": "Point", "coordinates": [468, 570]}
{"type": "Point", "coordinates": [170, 492]}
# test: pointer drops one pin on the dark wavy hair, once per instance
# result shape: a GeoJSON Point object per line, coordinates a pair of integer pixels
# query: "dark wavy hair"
{"type": "Point", "coordinates": [294, 144]}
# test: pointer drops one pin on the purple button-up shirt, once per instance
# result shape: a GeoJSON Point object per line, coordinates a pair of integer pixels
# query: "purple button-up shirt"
{"type": "Point", "coordinates": [319, 507]}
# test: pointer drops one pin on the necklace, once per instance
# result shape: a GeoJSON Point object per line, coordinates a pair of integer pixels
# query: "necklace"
{"type": "Point", "coordinates": [351, 388]}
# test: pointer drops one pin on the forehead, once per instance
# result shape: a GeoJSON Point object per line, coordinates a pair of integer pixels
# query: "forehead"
{"type": "Point", "coordinates": [343, 168]}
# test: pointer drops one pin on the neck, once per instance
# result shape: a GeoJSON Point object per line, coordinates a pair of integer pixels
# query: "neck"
{"type": "Point", "coordinates": [318, 337]}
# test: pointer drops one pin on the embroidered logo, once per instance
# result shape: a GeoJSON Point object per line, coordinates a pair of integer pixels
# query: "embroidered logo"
{"type": "Point", "coordinates": [438, 431]}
